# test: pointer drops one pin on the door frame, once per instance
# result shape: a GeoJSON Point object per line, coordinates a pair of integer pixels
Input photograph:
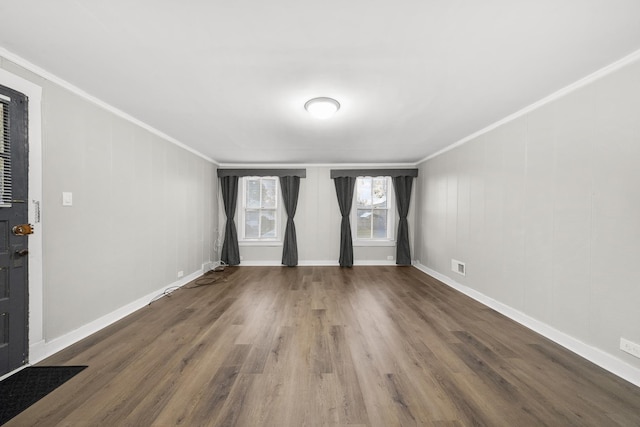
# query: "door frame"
{"type": "Point", "coordinates": [33, 92]}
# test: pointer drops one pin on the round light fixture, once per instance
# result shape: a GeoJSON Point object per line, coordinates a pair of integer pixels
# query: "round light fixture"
{"type": "Point", "coordinates": [322, 108]}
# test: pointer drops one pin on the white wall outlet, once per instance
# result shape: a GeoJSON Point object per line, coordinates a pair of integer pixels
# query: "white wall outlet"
{"type": "Point", "coordinates": [630, 347]}
{"type": "Point", "coordinates": [180, 274]}
{"type": "Point", "coordinates": [459, 267]}
{"type": "Point", "coordinates": [390, 257]}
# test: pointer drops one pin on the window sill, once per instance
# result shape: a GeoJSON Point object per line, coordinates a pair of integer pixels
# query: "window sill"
{"type": "Point", "coordinates": [260, 243]}
{"type": "Point", "coordinates": [373, 243]}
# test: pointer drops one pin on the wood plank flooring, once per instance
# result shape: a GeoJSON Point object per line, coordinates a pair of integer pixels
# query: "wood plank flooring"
{"type": "Point", "coordinates": [325, 346]}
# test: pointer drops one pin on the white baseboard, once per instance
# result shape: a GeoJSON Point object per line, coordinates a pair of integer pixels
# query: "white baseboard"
{"type": "Point", "coordinates": [319, 263]}
{"type": "Point", "coordinates": [316, 263]}
{"type": "Point", "coordinates": [595, 355]}
{"type": "Point", "coordinates": [374, 262]}
{"type": "Point", "coordinates": [260, 263]}
{"type": "Point", "coordinates": [43, 349]}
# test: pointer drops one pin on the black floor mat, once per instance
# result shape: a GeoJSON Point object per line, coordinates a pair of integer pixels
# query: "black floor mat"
{"type": "Point", "coordinates": [26, 387]}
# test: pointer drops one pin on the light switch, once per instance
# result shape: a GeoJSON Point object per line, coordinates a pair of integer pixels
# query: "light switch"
{"type": "Point", "coordinates": [67, 198]}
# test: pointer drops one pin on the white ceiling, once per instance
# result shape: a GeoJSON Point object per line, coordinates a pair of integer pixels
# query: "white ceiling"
{"type": "Point", "coordinates": [230, 78]}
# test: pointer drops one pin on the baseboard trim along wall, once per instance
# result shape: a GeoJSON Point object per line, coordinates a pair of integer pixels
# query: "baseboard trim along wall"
{"type": "Point", "coordinates": [594, 355]}
{"type": "Point", "coordinates": [314, 263]}
{"type": "Point", "coordinates": [41, 350]}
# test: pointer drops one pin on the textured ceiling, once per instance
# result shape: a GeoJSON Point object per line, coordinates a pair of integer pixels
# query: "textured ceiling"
{"type": "Point", "coordinates": [230, 78]}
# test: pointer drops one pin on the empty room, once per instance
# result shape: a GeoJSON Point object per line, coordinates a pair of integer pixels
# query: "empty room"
{"type": "Point", "coordinates": [414, 213]}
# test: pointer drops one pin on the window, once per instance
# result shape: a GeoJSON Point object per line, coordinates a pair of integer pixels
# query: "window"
{"type": "Point", "coordinates": [259, 213]}
{"type": "Point", "coordinates": [374, 209]}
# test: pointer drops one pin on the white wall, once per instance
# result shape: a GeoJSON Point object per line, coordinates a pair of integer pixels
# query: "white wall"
{"type": "Point", "coordinates": [143, 209]}
{"type": "Point", "coordinates": [545, 211]}
{"type": "Point", "coordinates": [318, 227]}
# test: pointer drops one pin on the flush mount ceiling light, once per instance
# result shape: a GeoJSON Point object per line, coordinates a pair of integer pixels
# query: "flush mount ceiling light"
{"type": "Point", "coordinates": [322, 108]}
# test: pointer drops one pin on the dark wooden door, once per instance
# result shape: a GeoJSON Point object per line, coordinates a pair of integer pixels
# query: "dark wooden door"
{"type": "Point", "coordinates": [13, 246]}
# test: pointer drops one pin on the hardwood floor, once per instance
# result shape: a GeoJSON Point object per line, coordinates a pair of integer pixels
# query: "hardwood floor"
{"type": "Point", "coordinates": [316, 346]}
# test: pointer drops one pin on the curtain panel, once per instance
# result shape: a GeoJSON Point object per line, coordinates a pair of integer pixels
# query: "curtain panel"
{"type": "Point", "coordinates": [230, 251]}
{"type": "Point", "coordinates": [344, 191]}
{"type": "Point", "coordinates": [290, 186]}
{"type": "Point", "coordinates": [402, 186]}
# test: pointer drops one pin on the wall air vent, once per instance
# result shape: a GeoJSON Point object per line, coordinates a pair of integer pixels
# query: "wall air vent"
{"type": "Point", "coordinates": [459, 267]}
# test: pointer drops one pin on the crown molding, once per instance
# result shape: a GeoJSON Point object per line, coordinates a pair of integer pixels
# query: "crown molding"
{"type": "Point", "coordinates": [603, 72]}
{"type": "Point", "coordinates": [18, 60]}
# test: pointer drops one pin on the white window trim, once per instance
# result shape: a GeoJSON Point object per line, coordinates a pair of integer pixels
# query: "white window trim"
{"type": "Point", "coordinates": [240, 217]}
{"type": "Point", "coordinates": [391, 220]}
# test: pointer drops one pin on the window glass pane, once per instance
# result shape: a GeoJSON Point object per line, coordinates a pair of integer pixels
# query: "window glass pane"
{"type": "Point", "coordinates": [253, 193]}
{"type": "Point", "coordinates": [372, 210]}
{"type": "Point", "coordinates": [379, 220]}
{"type": "Point", "coordinates": [268, 224]}
{"type": "Point", "coordinates": [364, 224]}
{"type": "Point", "coordinates": [252, 224]}
{"type": "Point", "coordinates": [269, 195]}
{"type": "Point", "coordinates": [260, 208]}
{"type": "Point", "coordinates": [379, 190]}
{"type": "Point", "coordinates": [363, 192]}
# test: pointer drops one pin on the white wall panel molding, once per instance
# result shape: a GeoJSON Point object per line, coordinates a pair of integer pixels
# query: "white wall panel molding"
{"type": "Point", "coordinates": [81, 93]}
{"type": "Point", "coordinates": [595, 355]}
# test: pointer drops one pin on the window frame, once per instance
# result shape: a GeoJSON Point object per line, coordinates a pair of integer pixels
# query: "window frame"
{"type": "Point", "coordinates": [243, 240]}
{"type": "Point", "coordinates": [390, 240]}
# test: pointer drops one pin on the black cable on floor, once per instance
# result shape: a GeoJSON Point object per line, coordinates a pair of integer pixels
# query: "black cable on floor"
{"type": "Point", "coordinates": [196, 284]}
{"type": "Point", "coordinates": [204, 281]}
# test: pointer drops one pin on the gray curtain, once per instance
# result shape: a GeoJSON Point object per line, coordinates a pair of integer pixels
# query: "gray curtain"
{"type": "Point", "coordinates": [344, 191]}
{"type": "Point", "coordinates": [302, 173]}
{"type": "Point", "coordinates": [335, 173]}
{"type": "Point", "coordinates": [402, 187]}
{"type": "Point", "coordinates": [230, 251]}
{"type": "Point", "coordinates": [290, 186]}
